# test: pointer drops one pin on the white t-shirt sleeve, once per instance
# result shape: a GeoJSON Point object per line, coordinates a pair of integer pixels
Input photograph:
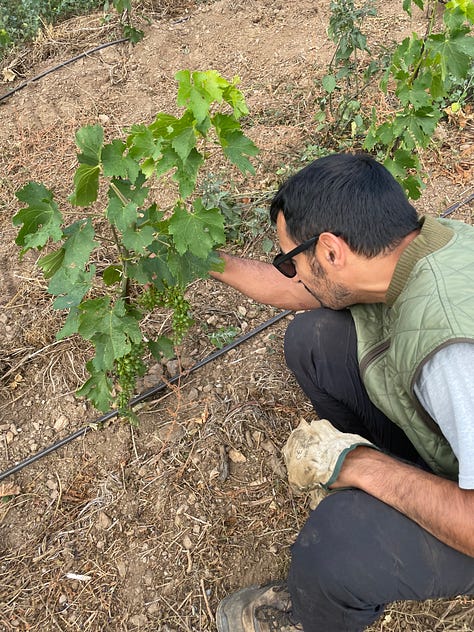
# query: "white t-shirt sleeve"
{"type": "Point", "coordinates": [445, 389]}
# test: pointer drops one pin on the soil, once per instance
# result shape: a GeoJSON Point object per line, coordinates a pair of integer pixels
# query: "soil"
{"type": "Point", "coordinates": [146, 528]}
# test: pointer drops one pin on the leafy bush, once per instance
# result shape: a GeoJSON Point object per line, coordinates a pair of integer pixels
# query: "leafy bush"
{"type": "Point", "coordinates": [20, 20]}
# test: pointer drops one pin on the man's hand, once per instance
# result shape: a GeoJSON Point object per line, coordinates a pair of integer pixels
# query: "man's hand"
{"type": "Point", "coordinates": [314, 454]}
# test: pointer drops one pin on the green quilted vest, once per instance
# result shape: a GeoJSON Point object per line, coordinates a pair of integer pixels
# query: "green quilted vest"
{"type": "Point", "coordinates": [430, 304]}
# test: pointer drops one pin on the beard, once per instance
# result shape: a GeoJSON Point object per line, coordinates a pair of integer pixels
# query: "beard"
{"type": "Point", "coordinates": [330, 294]}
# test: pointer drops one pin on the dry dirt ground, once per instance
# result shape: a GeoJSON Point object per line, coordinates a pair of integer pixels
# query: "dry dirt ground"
{"type": "Point", "coordinates": [147, 528]}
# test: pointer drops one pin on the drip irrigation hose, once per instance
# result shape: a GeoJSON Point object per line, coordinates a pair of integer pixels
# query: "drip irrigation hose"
{"type": "Point", "coordinates": [143, 396]}
{"type": "Point", "coordinates": [455, 207]}
{"type": "Point", "coordinates": [61, 65]}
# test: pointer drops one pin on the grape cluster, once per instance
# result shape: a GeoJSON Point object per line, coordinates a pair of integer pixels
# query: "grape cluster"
{"type": "Point", "coordinates": [181, 320]}
{"type": "Point", "coordinates": [128, 368]}
{"type": "Point", "coordinates": [150, 298]}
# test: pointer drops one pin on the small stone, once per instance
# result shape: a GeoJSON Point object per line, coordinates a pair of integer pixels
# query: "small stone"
{"type": "Point", "coordinates": [103, 521]}
{"type": "Point", "coordinates": [60, 423]}
{"type": "Point", "coordinates": [122, 569]}
{"type": "Point", "coordinates": [187, 543]}
{"type": "Point", "coordinates": [236, 457]}
{"type": "Point", "coordinates": [138, 620]}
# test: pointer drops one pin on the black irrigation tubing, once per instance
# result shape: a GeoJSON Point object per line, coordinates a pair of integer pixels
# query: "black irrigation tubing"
{"type": "Point", "coordinates": [61, 65]}
{"type": "Point", "coordinates": [455, 207]}
{"type": "Point", "coordinates": [143, 396]}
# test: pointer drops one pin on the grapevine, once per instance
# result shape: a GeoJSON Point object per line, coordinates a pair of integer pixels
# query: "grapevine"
{"type": "Point", "coordinates": [157, 252]}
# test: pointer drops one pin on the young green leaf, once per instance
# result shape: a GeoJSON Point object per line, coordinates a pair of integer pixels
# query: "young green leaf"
{"type": "Point", "coordinates": [198, 231]}
{"type": "Point", "coordinates": [41, 219]}
{"type": "Point", "coordinates": [86, 183]}
{"type": "Point", "coordinates": [90, 139]}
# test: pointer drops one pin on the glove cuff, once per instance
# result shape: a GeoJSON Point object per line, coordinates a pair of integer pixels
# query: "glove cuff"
{"type": "Point", "coordinates": [340, 460]}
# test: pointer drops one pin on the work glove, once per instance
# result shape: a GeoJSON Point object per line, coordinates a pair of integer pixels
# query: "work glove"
{"type": "Point", "coordinates": [314, 454]}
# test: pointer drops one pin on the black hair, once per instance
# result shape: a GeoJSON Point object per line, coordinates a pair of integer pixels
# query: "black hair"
{"type": "Point", "coordinates": [351, 195]}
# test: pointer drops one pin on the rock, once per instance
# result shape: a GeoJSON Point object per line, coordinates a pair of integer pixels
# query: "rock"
{"type": "Point", "coordinates": [236, 457]}
{"type": "Point", "coordinates": [103, 521]}
{"type": "Point", "coordinates": [139, 620]}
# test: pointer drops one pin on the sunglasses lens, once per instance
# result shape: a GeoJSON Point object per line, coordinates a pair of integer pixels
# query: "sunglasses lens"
{"type": "Point", "coordinates": [286, 266]}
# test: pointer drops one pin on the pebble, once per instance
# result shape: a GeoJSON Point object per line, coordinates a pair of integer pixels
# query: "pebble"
{"type": "Point", "coordinates": [61, 422]}
{"type": "Point", "coordinates": [103, 521]}
{"type": "Point", "coordinates": [138, 620]}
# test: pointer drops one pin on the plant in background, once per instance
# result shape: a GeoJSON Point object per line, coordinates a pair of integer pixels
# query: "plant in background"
{"type": "Point", "coordinates": [344, 83]}
{"type": "Point", "coordinates": [425, 71]}
{"type": "Point", "coordinates": [20, 20]}
{"type": "Point", "coordinates": [153, 253]}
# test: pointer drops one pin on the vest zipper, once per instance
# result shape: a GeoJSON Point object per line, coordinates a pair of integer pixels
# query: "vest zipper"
{"type": "Point", "coordinates": [372, 355]}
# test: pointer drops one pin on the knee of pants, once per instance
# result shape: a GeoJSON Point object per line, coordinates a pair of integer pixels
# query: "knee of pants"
{"type": "Point", "coordinates": [333, 549]}
{"type": "Point", "coordinates": [316, 334]}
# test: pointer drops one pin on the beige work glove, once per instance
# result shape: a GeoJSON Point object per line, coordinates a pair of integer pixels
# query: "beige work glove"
{"type": "Point", "coordinates": [314, 454]}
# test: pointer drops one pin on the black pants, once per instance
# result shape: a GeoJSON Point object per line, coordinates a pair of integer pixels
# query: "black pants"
{"type": "Point", "coordinates": [355, 553]}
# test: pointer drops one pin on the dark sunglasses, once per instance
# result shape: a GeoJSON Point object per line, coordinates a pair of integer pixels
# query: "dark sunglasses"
{"type": "Point", "coordinates": [283, 262]}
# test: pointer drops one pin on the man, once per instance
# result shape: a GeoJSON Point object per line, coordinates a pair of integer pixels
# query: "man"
{"type": "Point", "coordinates": [387, 364]}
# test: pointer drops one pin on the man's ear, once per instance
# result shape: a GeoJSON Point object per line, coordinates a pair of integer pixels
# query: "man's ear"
{"type": "Point", "coordinates": [333, 249]}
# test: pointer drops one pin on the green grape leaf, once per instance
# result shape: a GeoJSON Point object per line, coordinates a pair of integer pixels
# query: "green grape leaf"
{"type": "Point", "coordinates": [138, 239]}
{"type": "Point", "coordinates": [197, 231]}
{"type": "Point", "coordinates": [133, 34]}
{"type": "Point", "coordinates": [115, 164]}
{"type": "Point", "coordinates": [90, 139]}
{"type": "Point", "coordinates": [198, 90]}
{"type": "Point", "coordinates": [237, 147]}
{"type": "Point", "coordinates": [413, 186]}
{"type": "Point", "coordinates": [465, 6]}
{"type": "Point", "coordinates": [110, 328]}
{"type": "Point", "coordinates": [112, 275]}
{"type": "Point", "coordinates": [51, 263]}
{"type": "Point", "coordinates": [123, 216]}
{"type": "Point", "coordinates": [41, 219]}
{"type": "Point", "coordinates": [86, 183]}
{"type": "Point", "coordinates": [98, 388]}
{"type": "Point", "coordinates": [186, 268]}
{"type": "Point", "coordinates": [234, 97]}
{"type": "Point", "coordinates": [79, 244]}
{"type": "Point", "coordinates": [454, 54]}
{"type": "Point", "coordinates": [70, 287]}
{"type": "Point", "coordinates": [142, 144]}
{"type": "Point", "coordinates": [70, 326]}
{"type": "Point", "coordinates": [161, 348]}
{"type": "Point", "coordinates": [184, 142]}
{"type": "Point", "coordinates": [329, 83]}
{"type": "Point", "coordinates": [187, 172]}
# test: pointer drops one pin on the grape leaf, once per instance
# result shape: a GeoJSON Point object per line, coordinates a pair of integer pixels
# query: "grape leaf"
{"type": "Point", "coordinates": [70, 287]}
{"type": "Point", "coordinates": [237, 147]}
{"type": "Point", "coordinates": [197, 231]}
{"type": "Point", "coordinates": [121, 215]}
{"type": "Point", "coordinates": [51, 263]}
{"type": "Point", "coordinates": [98, 388]}
{"type": "Point", "coordinates": [86, 183]}
{"type": "Point", "coordinates": [112, 274]}
{"type": "Point", "coordinates": [90, 139]}
{"type": "Point", "coordinates": [41, 219]}
{"type": "Point", "coordinates": [138, 239]}
{"type": "Point", "coordinates": [115, 164]}
{"type": "Point", "coordinates": [110, 328]}
{"type": "Point", "coordinates": [187, 171]}
{"type": "Point", "coordinates": [162, 347]}
{"type": "Point", "coordinates": [198, 90]}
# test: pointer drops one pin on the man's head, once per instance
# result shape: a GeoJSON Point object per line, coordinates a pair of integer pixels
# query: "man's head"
{"type": "Point", "coordinates": [352, 196]}
{"type": "Point", "coordinates": [339, 222]}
